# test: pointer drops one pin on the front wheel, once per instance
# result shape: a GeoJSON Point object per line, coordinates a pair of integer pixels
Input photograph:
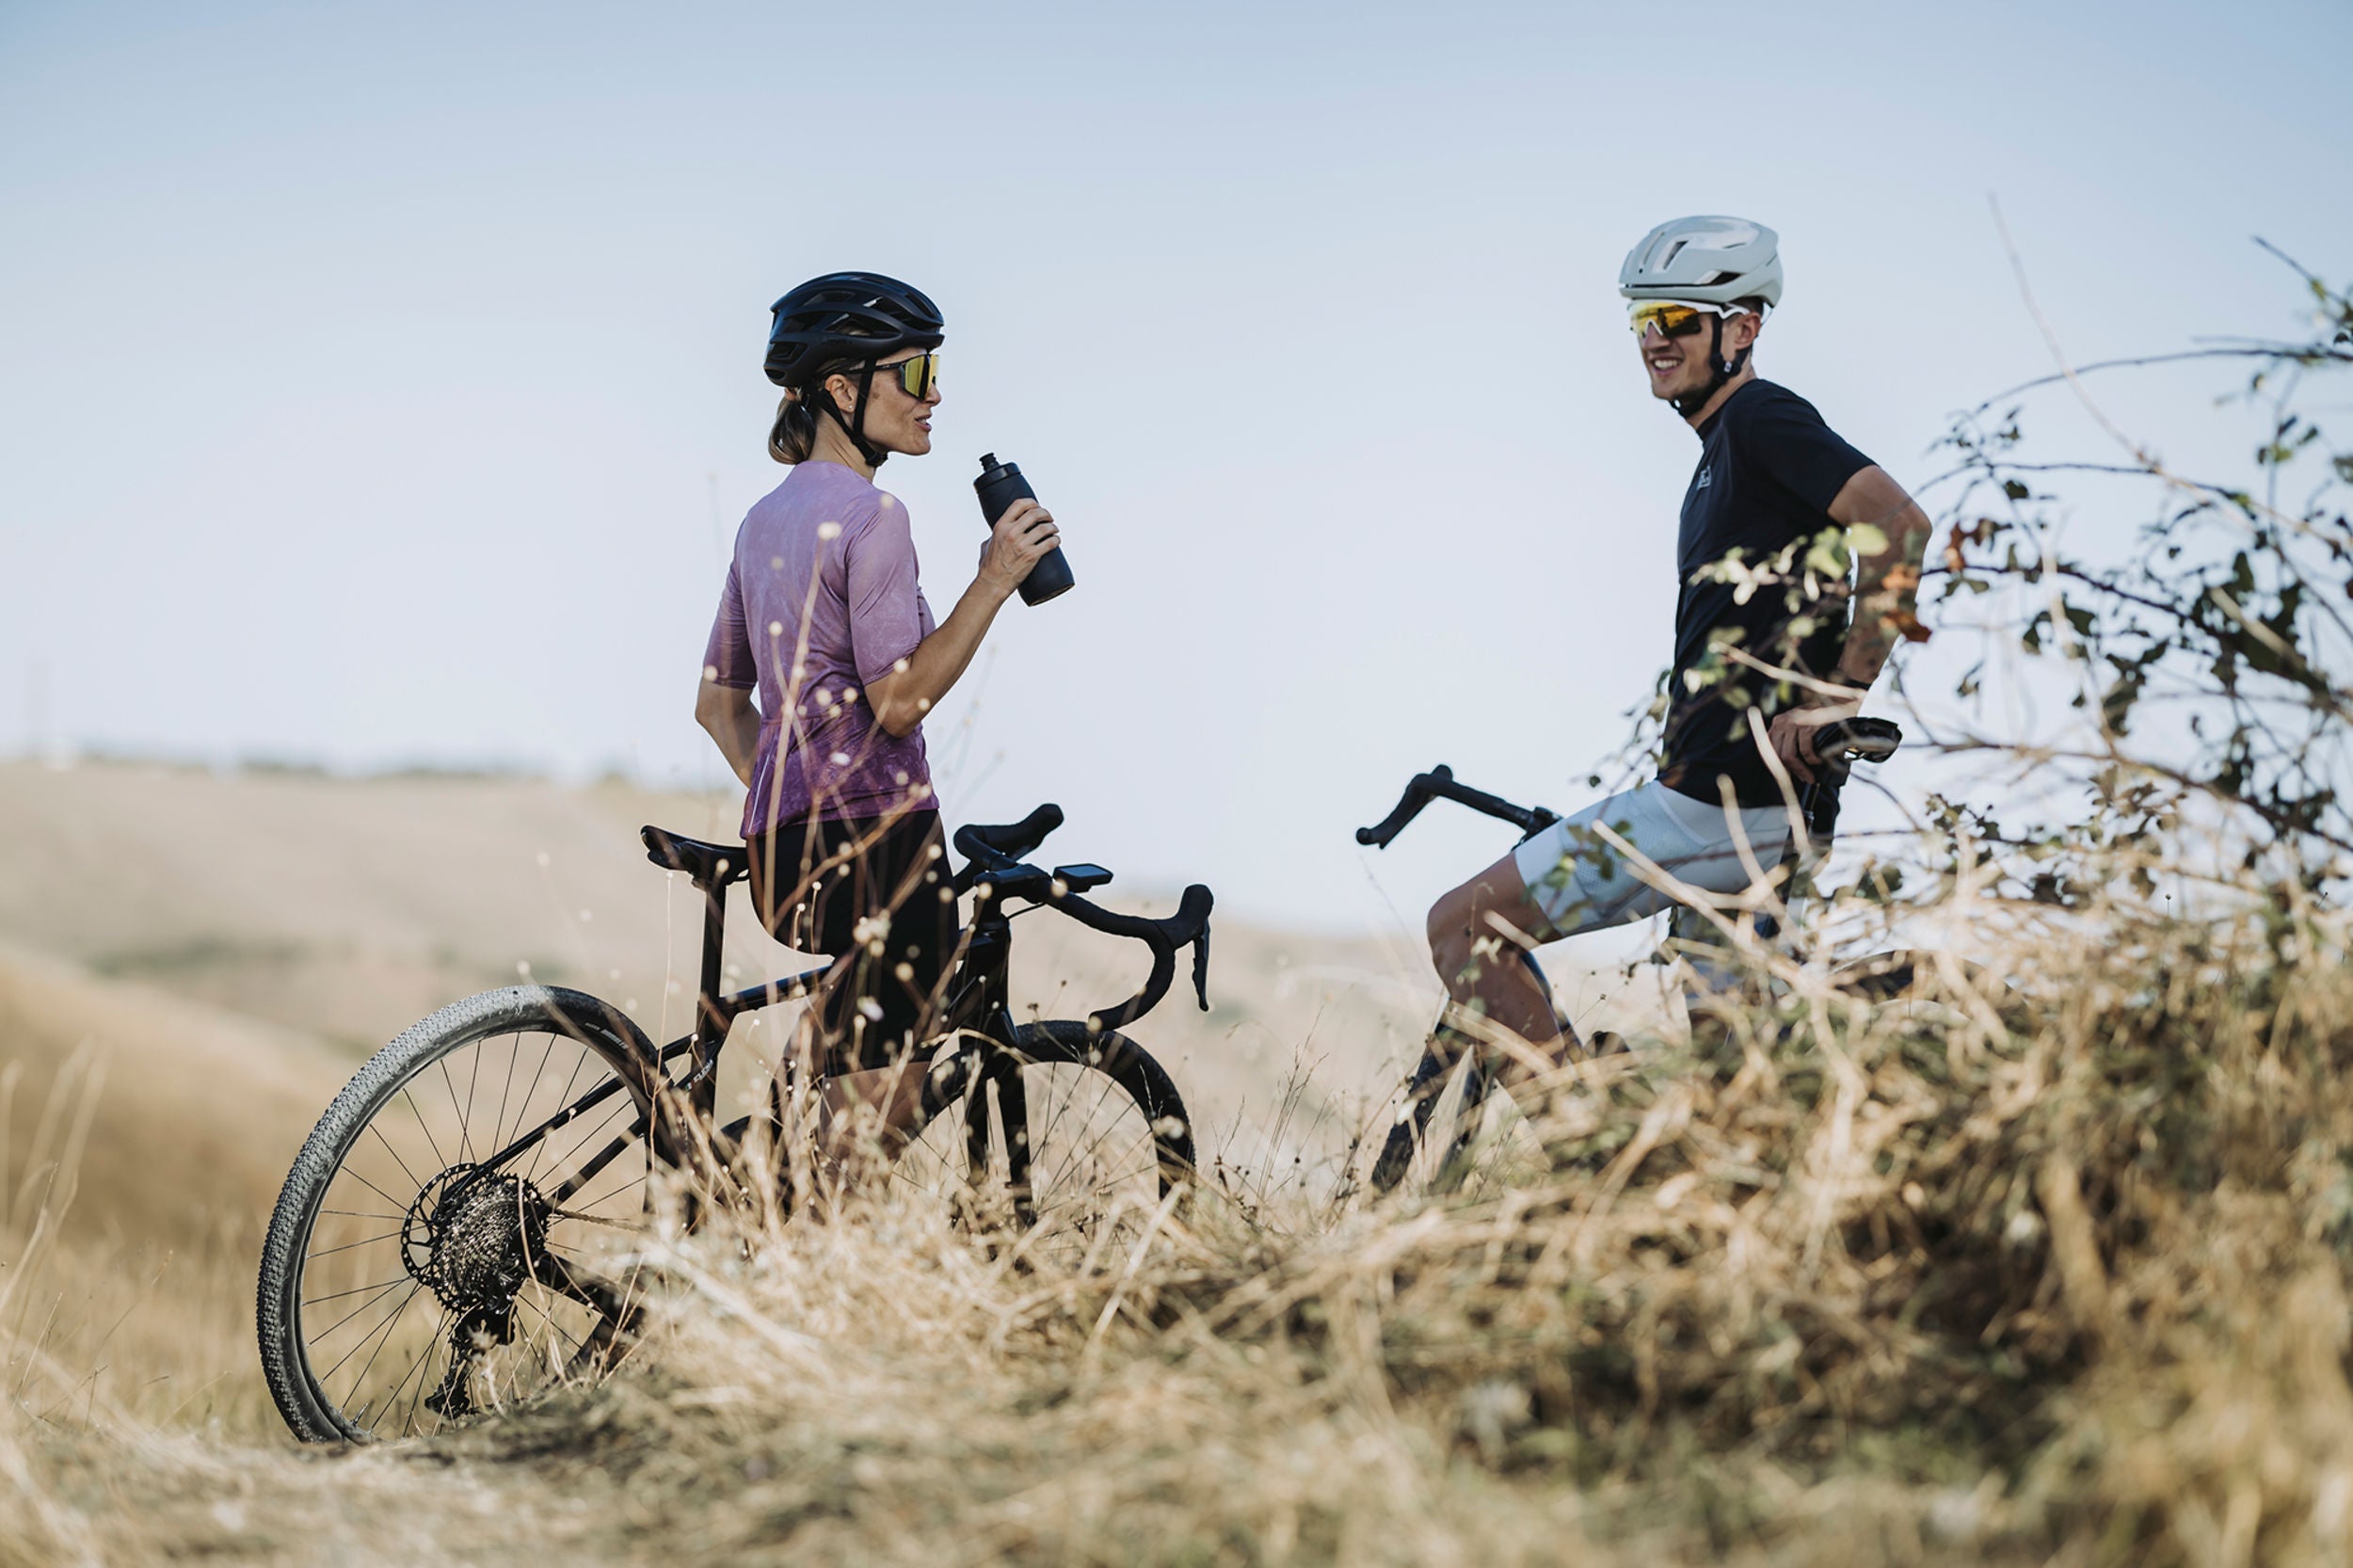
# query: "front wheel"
{"type": "Point", "coordinates": [458, 1231]}
{"type": "Point", "coordinates": [1413, 1131]}
{"type": "Point", "coordinates": [1073, 1139]}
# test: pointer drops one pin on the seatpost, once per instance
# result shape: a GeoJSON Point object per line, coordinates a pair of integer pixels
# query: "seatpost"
{"type": "Point", "coordinates": [711, 1024]}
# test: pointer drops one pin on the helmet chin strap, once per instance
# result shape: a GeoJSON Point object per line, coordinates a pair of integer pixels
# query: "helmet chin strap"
{"type": "Point", "coordinates": [1691, 403]}
{"type": "Point", "coordinates": [854, 427]}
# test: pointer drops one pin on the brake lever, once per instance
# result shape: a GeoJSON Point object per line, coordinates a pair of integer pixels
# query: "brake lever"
{"type": "Point", "coordinates": [1201, 965]}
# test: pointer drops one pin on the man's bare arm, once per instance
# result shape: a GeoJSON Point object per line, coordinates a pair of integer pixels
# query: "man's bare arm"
{"type": "Point", "coordinates": [1890, 537]}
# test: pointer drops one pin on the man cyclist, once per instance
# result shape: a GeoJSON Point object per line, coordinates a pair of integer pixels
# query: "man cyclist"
{"type": "Point", "coordinates": [1775, 489]}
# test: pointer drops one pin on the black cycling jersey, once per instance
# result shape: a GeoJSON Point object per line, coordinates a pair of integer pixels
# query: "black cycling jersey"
{"type": "Point", "coordinates": [1768, 469]}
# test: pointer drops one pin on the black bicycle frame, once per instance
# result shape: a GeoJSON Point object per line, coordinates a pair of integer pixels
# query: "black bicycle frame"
{"type": "Point", "coordinates": [979, 1002]}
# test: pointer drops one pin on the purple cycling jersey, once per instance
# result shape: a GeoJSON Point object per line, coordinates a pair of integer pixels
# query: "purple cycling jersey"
{"type": "Point", "coordinates": [821, 599]}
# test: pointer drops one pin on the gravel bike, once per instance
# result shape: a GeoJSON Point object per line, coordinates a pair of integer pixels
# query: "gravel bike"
{"type": "Point", "coordinates": [1841, 744]}
{"type": "Point", "coordinates": [464, 1227]}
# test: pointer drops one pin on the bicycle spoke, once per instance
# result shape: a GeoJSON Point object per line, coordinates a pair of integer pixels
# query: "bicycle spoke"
{"type": "Point", "coordinates": [545, 1318]}
{"type": "Point", "coordinates": [441, 1327]}
{"type": "Point", "coordinates": [380, 1193]}
{"type": "Point", "coordinates": [423, 1364]}
{"type": "Point", "coordinates": [363, 1241]}
{"type": "Point", "coordinates": [1069, 1167]}
{"type": "Point", "coordinates": [586, 1136]}
{"type": "Point", "coordinates": [430, 1140]}
{"type": "Point", "coordinates": [339, 1295]}
{"type": "Point", "coordinates": [533, 1087]}
{"type": "Point", "coordinates": [564, 1098]}
{"type": "Point", "coordinates": [384, 1327]}
{"type": "Point", "coordinates": [465, 1143]}
{"type": "Point", "coordinates": [473, 1079]}
{"type": "Point", "coordinates": [1094, 1112]}
{"type": "Point", "coordinates": [577, 1212]}
{"type": "Point", "coordinates": [397, 1159]}
{"type": "Point", "coordinates": [1097, 1134]}
{"type": "Point", "coordinates": [498, 1127]}
{"type": "Point", "coordinates": [357, 1310]}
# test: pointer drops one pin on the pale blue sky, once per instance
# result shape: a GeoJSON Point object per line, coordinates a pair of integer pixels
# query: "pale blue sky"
{"type": "Point", "coordinates": [382, 382]}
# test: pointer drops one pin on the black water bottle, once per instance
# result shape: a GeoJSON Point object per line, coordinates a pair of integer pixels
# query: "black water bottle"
{"type": "Point", "coordinates": [998, 487]}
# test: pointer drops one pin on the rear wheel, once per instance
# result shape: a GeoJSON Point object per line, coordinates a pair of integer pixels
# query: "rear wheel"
{"type": "Point", "coordinates": [459, 1232]}
{"type": "Point", "coordinates": [1071, 1140]}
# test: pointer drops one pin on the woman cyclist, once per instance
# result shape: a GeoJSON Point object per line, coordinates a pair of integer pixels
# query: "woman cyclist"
{"type": "Point", "coordinates": [821, 664]}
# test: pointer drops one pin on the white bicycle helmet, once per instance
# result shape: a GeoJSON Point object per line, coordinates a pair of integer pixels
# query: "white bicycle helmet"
{"type": "Point", "coordinates": [1704, 261]}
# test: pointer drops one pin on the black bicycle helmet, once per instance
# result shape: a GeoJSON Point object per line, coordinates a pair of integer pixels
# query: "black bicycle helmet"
{"type": "Point", "coordinates": [855, 317]}
{"type": "Point", "coordinates": [847, 315]}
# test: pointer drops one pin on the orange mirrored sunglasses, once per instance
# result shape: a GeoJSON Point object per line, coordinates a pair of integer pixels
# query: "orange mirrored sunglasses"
{"type": "Point", "coordinates": [918, 376]}
{"type": "Point", "coordinates": [1672, 317]}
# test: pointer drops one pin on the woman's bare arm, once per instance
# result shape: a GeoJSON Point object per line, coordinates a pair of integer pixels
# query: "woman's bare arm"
{"type": "Point", "coordinates": [900, 699]}
{"type": "Point", "coordinates": [728, 712]}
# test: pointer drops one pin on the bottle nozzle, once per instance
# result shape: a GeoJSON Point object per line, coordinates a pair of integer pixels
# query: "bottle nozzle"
{"type": "Point", "coordinates": [988, 459]}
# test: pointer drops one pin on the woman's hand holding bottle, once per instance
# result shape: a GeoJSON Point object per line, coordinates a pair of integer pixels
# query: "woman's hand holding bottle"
{"type": "Point", "coordinates": [1023, 536]}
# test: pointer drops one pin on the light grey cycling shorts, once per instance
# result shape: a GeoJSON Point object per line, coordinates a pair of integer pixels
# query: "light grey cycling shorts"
{"type": "Point", "coordinates": [1584, 883]}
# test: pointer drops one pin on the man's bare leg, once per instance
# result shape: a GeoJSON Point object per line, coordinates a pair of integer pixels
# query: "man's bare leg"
{"type": "Point", "coordinates": [1474, 933]}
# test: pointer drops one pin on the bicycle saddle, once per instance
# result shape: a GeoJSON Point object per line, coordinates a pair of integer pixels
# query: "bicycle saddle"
{"type": "Point", "coordinates": [708, 865]}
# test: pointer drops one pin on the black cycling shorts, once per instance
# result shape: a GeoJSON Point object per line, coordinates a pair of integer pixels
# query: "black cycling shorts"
{"type": "Point", "coordinates": [814, 884]}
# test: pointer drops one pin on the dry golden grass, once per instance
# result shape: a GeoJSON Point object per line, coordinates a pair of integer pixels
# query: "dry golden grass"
{"type": "Point", "coordinates": [1893, 1284]}
{"type": "Point", "coordinates": [2053, 1275]}
{"type": "Point", "coordinates": [142, 1140]}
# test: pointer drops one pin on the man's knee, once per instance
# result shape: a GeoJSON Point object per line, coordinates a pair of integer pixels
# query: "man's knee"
{"type": "Point", "coordinates": [1440, 922]}
{"type": "Point", "coordinates": [1452, 926]}
{"type": "Point", "coordinates": [1467, 924]}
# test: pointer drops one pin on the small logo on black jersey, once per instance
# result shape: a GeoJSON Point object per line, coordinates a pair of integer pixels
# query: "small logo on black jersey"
{"type": "Point", "coordinates": [1707, 477]}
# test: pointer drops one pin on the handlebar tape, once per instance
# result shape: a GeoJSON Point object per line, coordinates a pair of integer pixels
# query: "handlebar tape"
{"type": "Point", "coordinates": [998, 849]}
{"type": "Point", "coordinates": [1438, 784]}
{"type": "Point", "coordinates": [1190, 923]}
{"type": "Point", "coordinates": [1417, 794]}
{"type": "Point", "coordinates": [1008, 841]}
